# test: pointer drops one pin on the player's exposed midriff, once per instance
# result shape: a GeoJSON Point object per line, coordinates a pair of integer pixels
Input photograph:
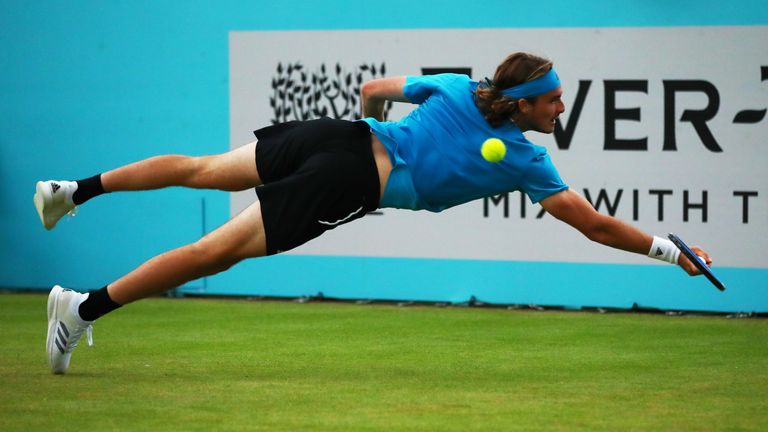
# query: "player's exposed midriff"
{"type": "Point", "coordinates": [383, 164]}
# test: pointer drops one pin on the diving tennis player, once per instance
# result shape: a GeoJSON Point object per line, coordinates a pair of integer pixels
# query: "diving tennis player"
{"type": "Point", "coordinates": [312, 176]}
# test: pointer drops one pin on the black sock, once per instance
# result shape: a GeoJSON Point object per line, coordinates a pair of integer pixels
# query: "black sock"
{"type": "Point", "coordinates": [97, 304]}
{"type": "Point", "coordinates": [87, 189]}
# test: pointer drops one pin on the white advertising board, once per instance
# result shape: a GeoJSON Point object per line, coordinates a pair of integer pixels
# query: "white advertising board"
{"type": "Point", "coordinates": [665, 128]}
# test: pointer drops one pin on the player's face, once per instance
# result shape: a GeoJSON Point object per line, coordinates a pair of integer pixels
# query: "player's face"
{"type": "Point", "coordinates": [543, 112]}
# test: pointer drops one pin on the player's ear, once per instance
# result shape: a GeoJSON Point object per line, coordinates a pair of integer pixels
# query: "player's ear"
{"type": "Point", "coordinates": [524, 106]}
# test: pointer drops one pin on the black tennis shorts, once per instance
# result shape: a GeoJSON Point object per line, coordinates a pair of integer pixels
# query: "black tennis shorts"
{"type": "Point", "coordinates": [316, 175]}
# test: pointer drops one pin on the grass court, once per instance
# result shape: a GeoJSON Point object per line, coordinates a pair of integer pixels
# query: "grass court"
{"type": "Point", "coordinates": [210, 364]}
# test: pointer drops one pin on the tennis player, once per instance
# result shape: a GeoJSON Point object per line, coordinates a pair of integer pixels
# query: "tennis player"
{"type": "Point", "coordinates": [313, 176]}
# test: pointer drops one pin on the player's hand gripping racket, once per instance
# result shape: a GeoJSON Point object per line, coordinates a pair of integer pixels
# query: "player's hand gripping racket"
{"type": "Point", "coordinates": [693, 258]}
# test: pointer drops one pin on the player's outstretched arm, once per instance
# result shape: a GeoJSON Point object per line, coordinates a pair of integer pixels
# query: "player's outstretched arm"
{"type": "Point", "coordinates": [374, 93]}
{"type": "Point", "coordinates": [573, 209]}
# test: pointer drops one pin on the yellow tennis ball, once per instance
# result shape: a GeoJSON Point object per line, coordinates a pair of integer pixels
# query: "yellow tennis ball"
{"type": "Point", "coordinates": [493, 150]}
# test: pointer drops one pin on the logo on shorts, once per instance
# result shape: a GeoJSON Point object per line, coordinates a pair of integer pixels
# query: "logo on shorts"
{"type": "Point", "coordinates": [342, 220]}
{"type": "Point", "coordinates": [299, 94]}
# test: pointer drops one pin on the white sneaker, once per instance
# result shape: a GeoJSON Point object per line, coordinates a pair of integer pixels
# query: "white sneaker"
{"type": "Point", "coordinates": [53, 199]}
{"type": "Point", "coordinates": [64, 327]}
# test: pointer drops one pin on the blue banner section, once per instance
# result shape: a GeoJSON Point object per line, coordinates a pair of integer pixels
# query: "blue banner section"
{"type": "Point", "coordinates": [568, 285]}
{"type": "Point", "coordinates": [91, 85]}
{"type": "Point", "coordinates": [181, 20]}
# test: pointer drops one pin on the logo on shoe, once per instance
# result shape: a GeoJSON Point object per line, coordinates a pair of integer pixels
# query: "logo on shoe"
{"type": "Point", "coordinates": [55, 187]}
{"type": "Point", "coordinates": [62, 334]}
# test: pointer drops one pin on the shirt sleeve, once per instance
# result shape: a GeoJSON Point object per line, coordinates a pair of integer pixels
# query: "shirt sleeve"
{"type": "Point", "coordinates": [418, 88]}
{"type": "Point", "coordinates": [541, 179]}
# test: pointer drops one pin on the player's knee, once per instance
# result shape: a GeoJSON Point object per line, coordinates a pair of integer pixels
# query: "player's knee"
{"type": "Point", "coordinates": [213, 258]}
{"type": "Point", "coordinates": [202, 170]}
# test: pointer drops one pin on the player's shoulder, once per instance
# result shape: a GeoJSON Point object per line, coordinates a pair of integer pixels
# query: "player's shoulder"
{"type": "Point", "coordinates": [460, 87]}
{"type": "Point", "coordinates": [457, 77]}
{"type": "Point", "coordinates": [459, 80]}
{"type": "Point", "coordinates": [512, 134]}
{"type": "Point", "coordinates": [442, 79]}
{"type": "Point", "coordinates": [526, 150]}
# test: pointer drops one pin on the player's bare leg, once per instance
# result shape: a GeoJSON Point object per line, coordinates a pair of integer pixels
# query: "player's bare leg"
{"type": "Point", "coordinates": [240, 238]}
{"type": "Point", "coordinates": [231, 171]}
{"type": "Point", "coordinates": [70, 313]}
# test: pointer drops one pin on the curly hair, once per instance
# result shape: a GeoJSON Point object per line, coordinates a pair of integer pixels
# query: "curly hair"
{"type": "Point", "coordinates": [516, 69]}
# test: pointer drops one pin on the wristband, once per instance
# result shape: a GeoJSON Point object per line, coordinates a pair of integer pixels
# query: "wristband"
{"type": "Point", "coordinates": [664, 250]}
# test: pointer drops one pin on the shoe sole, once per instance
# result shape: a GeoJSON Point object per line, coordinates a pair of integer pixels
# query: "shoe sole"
{"type": "Point", "coordinates": [53, 303]}
{"type": "Point", "coordinates": [53, 307]}
{"type": "Point", "coordinates": [43, 197]}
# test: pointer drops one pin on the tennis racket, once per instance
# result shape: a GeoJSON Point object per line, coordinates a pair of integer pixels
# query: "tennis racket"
{"type": "Point", "coordinates": [698, 262]}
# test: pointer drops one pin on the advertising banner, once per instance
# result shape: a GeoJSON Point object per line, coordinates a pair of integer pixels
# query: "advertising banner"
{"type": "Point", "coordinates": [665, 128]}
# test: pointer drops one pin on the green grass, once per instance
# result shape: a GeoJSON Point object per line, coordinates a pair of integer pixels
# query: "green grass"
{"type": "Point", "coordinates": [164, 364]}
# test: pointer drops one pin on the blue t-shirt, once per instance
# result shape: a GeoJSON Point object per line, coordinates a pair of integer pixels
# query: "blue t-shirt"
{"type": "Point", "coordinates": [435, 151]}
